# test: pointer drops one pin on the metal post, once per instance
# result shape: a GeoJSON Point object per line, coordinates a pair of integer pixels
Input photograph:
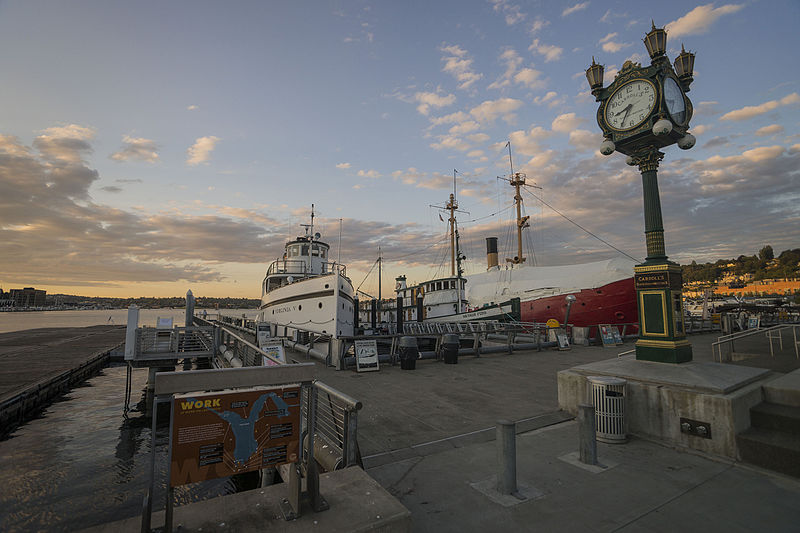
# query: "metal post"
{"type": "Point", "coordinates": [506, 457]}
{"type": "Point", "coordinates": [350, 437]}
{"type": "Point", "coordinates": [587, 434]}
{"type": "Point", "coordinates": [189, 309]}
{"type": "Point", "coordinates": [130, 333]}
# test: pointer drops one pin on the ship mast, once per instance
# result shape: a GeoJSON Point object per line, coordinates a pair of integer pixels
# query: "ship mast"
{"type": "Point", "coordinates": [452, 207]}
{"type": "Point", "coordinates": [517, 180]}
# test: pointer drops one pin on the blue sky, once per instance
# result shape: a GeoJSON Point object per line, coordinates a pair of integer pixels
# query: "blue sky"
{"type": "Point", "coordinates": [151, 147]}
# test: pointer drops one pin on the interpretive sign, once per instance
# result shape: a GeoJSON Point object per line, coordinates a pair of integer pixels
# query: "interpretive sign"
{"type": "Point", "coordinates": [224, 433]}
{"type": "Point", "coordinates": [659, 280]}
{"type": "Point", "coordinates": [275, 351]}
{"type": "Point", "coordinates": [367, 355]}
{"type": "Point", "coordinates": [563, 341]}
{"type": "Point", "coordinates": [607, 335]}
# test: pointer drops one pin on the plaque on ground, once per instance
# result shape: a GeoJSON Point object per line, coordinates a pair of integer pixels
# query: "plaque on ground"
{"type": "Point", "coordinates": [366, 355]}
{"type": "Point", "coordinates": [224, 433]}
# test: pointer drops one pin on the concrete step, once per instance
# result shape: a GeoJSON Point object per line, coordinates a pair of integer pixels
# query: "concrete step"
{"type": "Point", "coordinates": [784, 390]}
{"type": "Point", "coordinates": [772, 449]}
{"type": "Point", "coordinates": [774, 416]}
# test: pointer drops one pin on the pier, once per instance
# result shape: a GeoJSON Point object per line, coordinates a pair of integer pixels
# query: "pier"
{"type": "Point", "coordinates": [38, 365]}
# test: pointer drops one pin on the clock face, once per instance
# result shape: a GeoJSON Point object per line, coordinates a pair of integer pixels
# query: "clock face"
{"type": "Point", "coordinates": [673, 96]}
{"type": "Point", "coordinates": [631, 104]}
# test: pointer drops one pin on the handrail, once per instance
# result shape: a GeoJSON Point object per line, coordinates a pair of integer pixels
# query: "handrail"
{"type": "Point", "coordinates": [740, 335]}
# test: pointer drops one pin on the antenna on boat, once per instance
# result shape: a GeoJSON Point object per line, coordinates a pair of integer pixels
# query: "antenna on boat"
{"type": "Point", "coordinates": [310, 227]}
{"type": "Point", "coordinates": [339, 253]}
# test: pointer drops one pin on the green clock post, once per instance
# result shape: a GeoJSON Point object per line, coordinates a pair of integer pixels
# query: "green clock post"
{"type": "Point", "coordinates": [645, 109]}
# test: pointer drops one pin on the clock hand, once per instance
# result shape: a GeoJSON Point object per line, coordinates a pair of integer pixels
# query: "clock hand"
{"type": "Point", "coordinates": [628, 108]}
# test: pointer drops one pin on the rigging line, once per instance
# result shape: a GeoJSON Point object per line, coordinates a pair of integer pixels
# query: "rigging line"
{"type": "Point", "coordinates": [368, 273]}
{"type": "Point", "coordinates": [417, 251]}
{"type": "Point", "coordinates": [584, 229]}
{"type": "Point", "coordinates": [488, 216]}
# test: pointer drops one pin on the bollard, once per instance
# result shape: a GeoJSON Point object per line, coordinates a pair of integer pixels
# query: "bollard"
{"type": "Point", "coordinates": [506, 457]}
{"type": "Point", "coordinates": [587, 434]}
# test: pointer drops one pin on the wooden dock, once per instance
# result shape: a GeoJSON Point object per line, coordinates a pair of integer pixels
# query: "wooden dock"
{"type": "Point", "coordinates": [39, 364]}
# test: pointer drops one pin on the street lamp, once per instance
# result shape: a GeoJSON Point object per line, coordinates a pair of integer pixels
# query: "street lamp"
{"type": "Point", "coordinates": [642, 110]}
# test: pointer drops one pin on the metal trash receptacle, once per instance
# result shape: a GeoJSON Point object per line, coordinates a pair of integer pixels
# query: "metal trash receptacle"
{"type": "Point", "coordinates": [449, 348]}
{"type": "Point", "coordinates": [608, 398]}
{"type": "Point", "coordinates": [408, 353]}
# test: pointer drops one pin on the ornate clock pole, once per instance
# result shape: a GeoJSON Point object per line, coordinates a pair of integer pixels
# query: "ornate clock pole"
{"type": "Point", "coordinates": [644, 109]}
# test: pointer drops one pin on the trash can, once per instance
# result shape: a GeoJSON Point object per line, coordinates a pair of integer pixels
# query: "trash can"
{"type": "Point", "coordinates": [449, 348]}
{"type": "Point", "coordinates": [408, 353]}
{"type": "Point", "coordinates": [608, 397]}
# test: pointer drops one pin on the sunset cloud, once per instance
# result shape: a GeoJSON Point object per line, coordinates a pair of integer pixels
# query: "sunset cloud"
{"type": "Point", "coordinates": [749, 112]}
{"type": "Point", "coordinates": [136, 148]}
{"type": "Point", "coordinates": [699, 19]}
{"type": "Point", "coordinates": [200, 151]}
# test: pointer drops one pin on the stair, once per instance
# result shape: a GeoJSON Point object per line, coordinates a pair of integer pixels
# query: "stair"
{"type": "Point", "coordinates": [773, 439]}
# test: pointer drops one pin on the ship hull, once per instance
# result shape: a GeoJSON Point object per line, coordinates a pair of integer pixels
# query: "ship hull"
{"type": "Point", "coordinates": [613, 303]}
{"type": "Point", "coordinates": [313, 304]}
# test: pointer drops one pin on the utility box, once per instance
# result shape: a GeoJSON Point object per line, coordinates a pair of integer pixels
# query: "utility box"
{"type": "Point", "coordinates": [608, 397]}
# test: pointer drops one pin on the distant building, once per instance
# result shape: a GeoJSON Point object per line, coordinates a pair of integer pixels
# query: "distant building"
{"type": "Point", "coordinates": [27, 297]}
{"type": "Point", "coordinates": [5, 299]}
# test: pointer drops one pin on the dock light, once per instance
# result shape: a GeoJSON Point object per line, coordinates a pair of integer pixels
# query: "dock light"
{"type": "Point", "coordinates": [686, 142]}
{"type": "Point", "coordinates": [662, 127]}
{"type": "Point", "coordinates": [607, 147]}
{"type": "Point", "coordinates": [594, 75]}
{"type": "Point", "coordinates": [684, 67]}
{"type": "Point", "coordinates": [570, 299]}
{"type": "Point", "coordinates": [656, 42]}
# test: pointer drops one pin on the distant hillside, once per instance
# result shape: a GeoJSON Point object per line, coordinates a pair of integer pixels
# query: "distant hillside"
{"type": "Point", "coordinates": [754, 267]}
{"type": "Point", "coordinates": [152, 302]}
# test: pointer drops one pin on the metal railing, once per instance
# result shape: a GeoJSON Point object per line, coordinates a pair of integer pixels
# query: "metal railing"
{"type": "Point", "coordinates": [176, 342]}
{"type": "Point", "coordinates": [336, 429]}
{"type": "Point", "coordinates": [727, 341]}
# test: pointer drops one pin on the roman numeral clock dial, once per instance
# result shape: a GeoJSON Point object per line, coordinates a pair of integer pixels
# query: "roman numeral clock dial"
{"type": "Point", "coordinates": [630, 105]}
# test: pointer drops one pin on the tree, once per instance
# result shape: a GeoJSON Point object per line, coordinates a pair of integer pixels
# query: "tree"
{"type": "Point", "coordinates": [766, 253]}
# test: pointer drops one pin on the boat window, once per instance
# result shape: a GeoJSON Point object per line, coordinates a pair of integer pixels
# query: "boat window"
{"type": "Point", "coordinates": [314, 250]}
{"type": "Point", "coordinates": [294, 251]}
{"type": "Point", "coordinates": [304, 251]}
{"type": "Point", "coordinates": [323, 252]}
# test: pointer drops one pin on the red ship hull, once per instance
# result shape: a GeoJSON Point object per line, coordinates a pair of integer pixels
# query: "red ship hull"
{"type": "Point", "coordinates": [614, 303]}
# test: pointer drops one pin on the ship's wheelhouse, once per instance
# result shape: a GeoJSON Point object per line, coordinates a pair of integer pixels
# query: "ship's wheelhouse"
{"type": "Point", "coordinates": [303, 258]}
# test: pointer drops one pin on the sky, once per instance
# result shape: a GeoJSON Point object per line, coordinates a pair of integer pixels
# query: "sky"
{"type": "Point", "coordinates": [148, 148]}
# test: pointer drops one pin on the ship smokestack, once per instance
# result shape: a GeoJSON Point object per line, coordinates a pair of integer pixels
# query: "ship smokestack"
{"type": "Point", "coordinates": [491, 252]}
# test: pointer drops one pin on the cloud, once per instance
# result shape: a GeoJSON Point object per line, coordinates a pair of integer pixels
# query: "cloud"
{"type": "Point", "coordinates": [529, 78]}
{"type": "Point", "coordinates": [192, 108]}
{"type": "Point", "coordinates": [550, 52]}
{"type": "Point", "coordinates": [489, 110]}
{"type": "Point", "coordinates": [428, 100]}
{"type": "Point", "coordinates": [566, 123]}
{"type": "Point", "coordinates": [200, 151]}
{"type": "Point", "coordinates": [700, 129]}
{"type": "Point", "coordinates": [372, 174]}
{"type": "Point", "coordinates": [458, 116]}
{"type": "Point", "coordinates": [585, 140]}
{"type": "Point", "coordinates": [749, 112]}
{"type": "Point", "coordinates": [512, 61]}
{"type": "Point", "coordinates": [512, 12]}
{"type": "Point", "coordinates": [458, 63]}
{"type": "Point", "coordinates": [343, 166]}
{"type": "Point", "coordinates": [575, 8]}
{"type": "Point", "coordinates": [772, 129]}
{"type": "Point", "coordinates": [111, 189]}
{"type": "Point", "coordinates": [136, 148]}
{"type": "Point", "coordinates": [550, 98]}
{"type": "Point", "coordinates": [464, 128]}
{"type": "Point", "coordinates": [611, 46]}
{"type": "Point", "coordinates": [65, 144]}
{"type": "Point", "coordinates": [451, 142]}
{"type": "Point", "coordinates": [699, 19]}
{"type": "Point", "coordinates": [527, 142]}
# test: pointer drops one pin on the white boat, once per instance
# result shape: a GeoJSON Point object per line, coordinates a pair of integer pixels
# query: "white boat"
{"type": "Point", "coordinates": [305, 291]}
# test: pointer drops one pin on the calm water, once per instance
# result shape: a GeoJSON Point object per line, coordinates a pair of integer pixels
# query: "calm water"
{"type": "Point", "coordinates": [62, 319]}
{"type": "Point", "coordinates": [81, 462]}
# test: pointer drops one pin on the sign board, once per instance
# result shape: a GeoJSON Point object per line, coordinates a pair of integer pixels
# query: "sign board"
{"type": "Point", "coordinates": [563, 341]}
{"type": "Point", "coordinates": [366, 355]}
{"type": "Point", "coordinates": [752, 322]}
{"type": "Point", "coordinates": [263, 333]}
{"type": "Point", "coordinates": [218, 434]}
{"type": "Point", "coordinates": [276, 352]}
{"type": "Point", "coordinates": [607, 334]}
{"type": "Point", "coordinates": [617, 336]}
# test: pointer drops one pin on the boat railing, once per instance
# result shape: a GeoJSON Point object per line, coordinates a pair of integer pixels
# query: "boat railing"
{"type": "Point", "coordinates": [300, 267]}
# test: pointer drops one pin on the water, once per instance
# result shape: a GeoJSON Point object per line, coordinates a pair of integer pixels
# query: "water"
{"type": "Point", "coordinates": [63, 319]}
{"type": "Point", "coordinates": [81, 463]}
